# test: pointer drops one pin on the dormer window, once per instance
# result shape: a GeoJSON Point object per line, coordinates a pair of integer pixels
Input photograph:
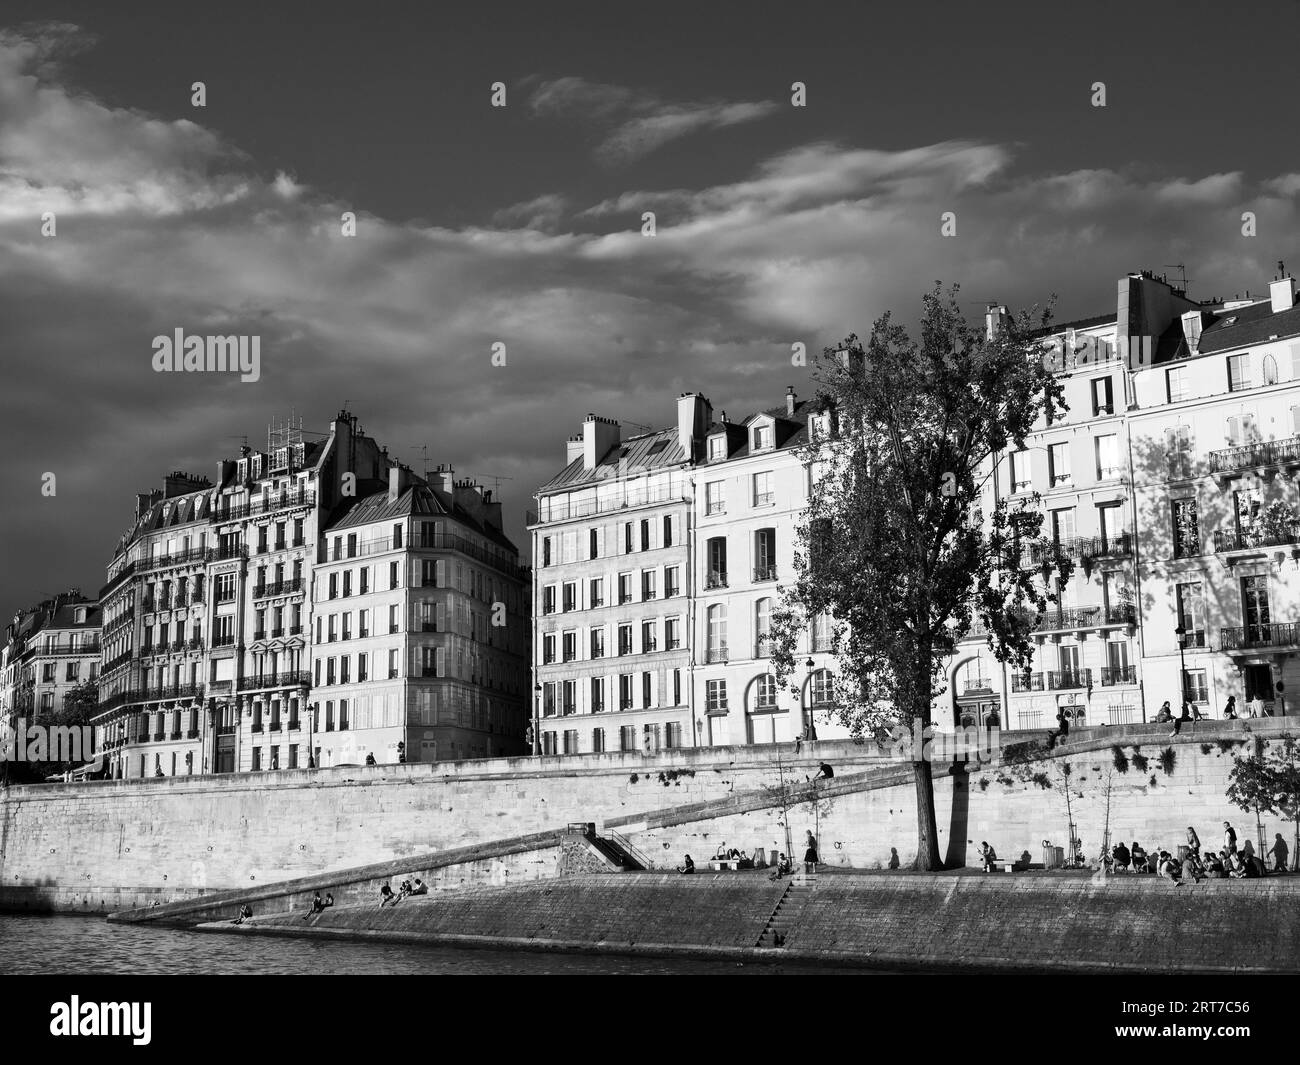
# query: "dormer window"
{"type": "Point", "coordinates": [717, 448]}
{"type": "Point", "coordinates": [762, 437]}
{"type": "Point", "coordinates": [80, 615]}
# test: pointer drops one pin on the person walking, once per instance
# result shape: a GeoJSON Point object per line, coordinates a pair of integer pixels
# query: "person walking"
{"type": "Point", "coordinates": [1229, 838]}
{"type": "Point", "coordinates": [1279, 851]}
{"type": "Point", "coordinates": [810, 855]}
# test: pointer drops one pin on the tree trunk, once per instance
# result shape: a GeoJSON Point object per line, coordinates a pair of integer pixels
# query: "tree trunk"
{"type": "Point", "coordinates": [927, 833]}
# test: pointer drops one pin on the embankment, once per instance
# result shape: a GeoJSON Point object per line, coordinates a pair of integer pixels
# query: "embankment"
{"type": "Point", "coordinates": [1053, 922]}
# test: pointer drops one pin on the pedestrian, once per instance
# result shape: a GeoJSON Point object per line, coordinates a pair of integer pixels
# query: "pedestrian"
{"type": "Point", "coordinates": [1279, 851]}
{"type": "Point", "coordinates": [824, 772]}
{"type": "Point", "coordinates": [1230, 708]}
{"type": "Point", "coordinates": [689, 867]}
{"type": "Point", "coordinates": [1229, 838]}
{"type": "Point", "coordinates": [810, 855]}
{"type": "Point", "coordinates": [798, 742]}
{"type": "Point", "coordinates": [893, 857]}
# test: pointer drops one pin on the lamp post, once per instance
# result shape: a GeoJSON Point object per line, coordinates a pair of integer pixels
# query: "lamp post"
{"type": "Point", "coordinates": [812, 724]}
{"type": "Point", "coordinates": [1181, 632]}
{"type": "Point", "coordinates": [537, 723]}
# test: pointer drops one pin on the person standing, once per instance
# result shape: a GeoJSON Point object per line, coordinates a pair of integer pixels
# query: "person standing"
{"type": "Point", "coordinates": [1229, 838]}
{"type": "Point", "coordinates": [810, 855]}
{"type": "Point", "coordinates": [1279, 851]}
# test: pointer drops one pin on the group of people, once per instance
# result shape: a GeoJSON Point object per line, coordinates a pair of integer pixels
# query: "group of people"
{"type": "Point", "coordinates": [1198, 863]}
{"type": "Point", "coordinates": [319, 905]}
{"type": "Point", "coordinates": [407, 889]}
{"type": "Point", "coordinates": [782, 867]}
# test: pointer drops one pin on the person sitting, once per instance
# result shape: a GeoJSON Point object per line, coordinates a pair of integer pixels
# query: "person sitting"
{"type": "Point", "coordinates": [1165, 715]}
{"type": "Point", "coordinates": [1212, 865]}
{"type": "Point", "coordinates": [744, 861]}
{"type": "Point", "coordinates": [1138, 857]}
{"type": "Point", "coordinates": [733, 855]}
{"type": "Point", "coordinates": [1192, 866]}
{"type": "Point", "coordinates": [689, 867]}
{"type": "Point", "coordinates": [988, 856]}
{"type": "Point", "coordinates": [824, 772]}
{"type": "Point", "coordinates": [1169, 869]}
{"type": "Point", "coordinates": [245, 912]}
{"type": "Point", "coordinates": [329, 901]}
{"type": "Point", "coordinates": [782, 868]}
{"type": "Point", "coordinates": [421, 888]}
{"type": "Point", "coordinates": [1230, 709]}
{"type": "Point", "coordinates": [386, 896]}
{"type": "Point", "coordinates": [316, 907]}
{"type": "Point", "coordinates": [1232, 864]}
{"type": "Point", "coordinates": [1121, 857]}
{"type": "Point", "coordinates": [893, 858]}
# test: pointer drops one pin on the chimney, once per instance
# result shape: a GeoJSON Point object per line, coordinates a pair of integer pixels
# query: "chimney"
{"type": "Point", "coordinates": [573, 449]}
{"type": "Point", "coordinates": [399, 480]}
{"type": "Point", "coordinates": [225, 471]}
{"type": "Point", "coordinates": [598, 436]}
{"type": "Point", "coordinates": [790, 398]}
{"type": "Point", "coordinates": [1192, 330]}
{"type": "Point", "coordinates": [694, 416]}
{"type": "Point", "coordinates": [1282, 293]}
{"type": "Point", "coordinates": [443, 478]}
{"type": "Point", "coordinates": [994, 320]}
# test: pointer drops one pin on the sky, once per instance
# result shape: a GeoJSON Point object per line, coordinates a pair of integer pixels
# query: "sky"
{"type": "Point", "coordinates": [522, 224]}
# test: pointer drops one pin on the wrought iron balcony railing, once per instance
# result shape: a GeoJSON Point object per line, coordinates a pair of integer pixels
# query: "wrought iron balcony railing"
{"type": "Point", "coordinates": [1280, 634]}
{"type": "Point", "coordinates": [716, 579]}
{"type": "Point", "coordinates": [1242, 541]}
{"type": "Point", "coordinates": [764, 573]}
{"type": "Point", "coordinates": [716, 653]}
{"type": "Point", "coordinates": [1259, 453]}
{"type": "Point", "coordinates": [1111, 675]}
{"type": "Point", "coordinates": [976, 684]}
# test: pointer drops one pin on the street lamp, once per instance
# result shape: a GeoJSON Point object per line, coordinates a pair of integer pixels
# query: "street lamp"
{"type": "Point", "coordinates": [1181, 632]}
{"type": "Point", "coordinates": [812, 723]}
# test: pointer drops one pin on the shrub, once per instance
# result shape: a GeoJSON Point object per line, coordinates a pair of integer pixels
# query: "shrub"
{"type": "Point", "coordinates": [633, 778]}
{"type": "Point", "coordinates": [1042, 780]}
{"type": "Point", "coordinates": [1167, 760]}
{"type": "Point", "coordinates": [1153, 782]}
{"type": "Point", "coordinates": [984, 783]}
{"type": "Point", "coordinates": [1121, 759]}
{"type": "Point", "coordinates": [1227, 745]}
{"type": "Point", "coordinates": [1206, 748]}
{"type": "Point", "coordinates": [1139, 760]}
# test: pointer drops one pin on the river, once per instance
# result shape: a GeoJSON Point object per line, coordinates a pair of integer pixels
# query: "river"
{"type": "Point", "coordinates": [32, 944]}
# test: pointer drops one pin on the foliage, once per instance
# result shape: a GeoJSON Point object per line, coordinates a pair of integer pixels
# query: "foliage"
{"type": "Point", "coordinates": [894, 547]}
{"type": "Point", "coordinates": [1167, 760]}
{"type": "Point", "coordinates": [1267, 780]}
{"type": "Point", "coordinates": [1120, 758]}
{"type": "Point", "coordinates": [1138, 760]}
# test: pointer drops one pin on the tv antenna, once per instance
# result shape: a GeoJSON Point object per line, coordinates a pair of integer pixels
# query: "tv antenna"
{"type": "Point", "coordinates": [496, 480]}
{"type": "Point", "coordinates": [1182, 270]}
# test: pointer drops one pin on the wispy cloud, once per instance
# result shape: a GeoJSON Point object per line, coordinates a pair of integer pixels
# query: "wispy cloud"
{"type": "Point", "coordinates": [641, 122]}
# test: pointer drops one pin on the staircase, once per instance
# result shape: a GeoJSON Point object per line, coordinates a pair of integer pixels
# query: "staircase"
{"type": "Point", "coordinates": [788, 910]}
{"type": "Point", "coordinates": [633, 857]}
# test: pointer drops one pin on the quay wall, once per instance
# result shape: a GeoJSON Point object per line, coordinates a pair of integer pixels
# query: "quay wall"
{"type": "Point", "coordinates": [117, 845]}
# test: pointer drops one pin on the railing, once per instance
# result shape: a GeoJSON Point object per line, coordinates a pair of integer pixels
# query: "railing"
{"type": "Point", "coordinates": [298, 498]}
{"type": "Point", "coordinates": [1055, 680]}
{"type": "Point", "coordinates": [629, 848]}
{"type": "Point", "coordinates": [552, 512]}
{"type": "Point", "coordinates": [85, 647]}
{"type": "Point", "coordinates": [1118, 546]}
{"type": "Point", "coordinates": [296, 630]}
{"type": "Point", "coordinates": [1121, 614]}
{"type": "Point", "coordinates": [218, 554]}
{"type": "Point", "coordinates": [299, 678]}
{"type": "Point", "coordinates": [1262, 453]}
{"type": "Point", "coordinates": [114, 581]}
{"type": "Point", "coordinates": [1194, 638]}
{"type": "Point", "coordinates": [976, 684]}
{"type": "Point", "coordinates": [764, 573]}
{"type": "Point", "coordinates": [1238, 541]}
{"type": "Point", "coordinates": [763, 647]}
{"type": "Point", "coordinates": [224, 641]}
{"type": "Point", "coordinates": [598, 651]}
{"type": "Point", "coordinates": [716, 579]}
{"type": "Point", "coordinates": [1121, 714]}
{"type": "Point", "coordinates": [370, 547]}
{"type": "Point", "coordinates": [1282, 634]}
{"type": "Point", "coordinates": [1111, 675]}
{"type": "Point", "coordinates": [259, 634]}
{"type": "Point", "coordinates": [716, 653]}
{"type": "Point", "coordinates": [452, 542]}
{"type": "Point", "coordinates": [281, 587]}
{"type": "Point", "coordinates": [1067, 618]}
{"type": "Point", "coordinates": [1030, 719]}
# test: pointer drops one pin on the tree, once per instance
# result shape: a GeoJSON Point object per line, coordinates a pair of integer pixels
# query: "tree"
{"type": "Point", "coordinates": [894, 546]}
{"type": "Point", "coordinates": [1268, 780]}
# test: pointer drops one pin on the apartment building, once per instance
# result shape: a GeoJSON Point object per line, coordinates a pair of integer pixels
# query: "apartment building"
{"type": "Point", "coordinates": [1159, 482]}
{"type": "Point", "coordinates": [420, 648]}
{"type": "Point", "coordinates": [612, 588]}
{"type": "Point", "coordinates": [752, 483]}
{"type": "Point", "coordinates": [1216, 450]}
{"type": "Point", "coordinates": [49, 649]}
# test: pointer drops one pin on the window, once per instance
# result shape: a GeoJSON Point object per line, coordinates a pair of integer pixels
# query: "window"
{"type": "Point", "coordinates": [392, 618]}
{"type": "Point", "coordinates": [347, 583]}
{"type": "Point", "coordinates": [1178, 450]}
{"type": "Point", "coordinates": [597, 695]}
{"type": "Point", "coordinates": [762, 437]}
{"type": "Point", "coordinates": [823, 687]}
{"type": "Point", "coordinates": [1195, 687]}
{"type": "Point", "coordinates": [1021, 478]}
{"type": "Point", "coordinates": [594, 544]}
{"type": "Point", "coordinates": [1110, 519]}
{"type": "Point", "coordinates": [347, 626]}
{"type": "Point", "coordinates": [765, 555]}
{"type": "Point", "coordinates": [1238, 372]}
{"type": "Point", "coordinates": [330, 670]}
{"type": "Point", "coordinates": [648, 581]}
{"type": "Point", "coordinates": [765, 692]}
{"type": "Point", "coordinates": [548, 599]}
{"type": "Point", "coordinates": [672, 581]}
{"type": "Point", "coordinates": [548, 699]}
{"type": "Point", "coordinates": [645, 534]}
{"type": "Point", "coordinates": [627, 738]}
{"type": "Point", "coordinates": [716, 559]}
{"type": "Point", "coordinates": [363, 673]}
{"type": "Point", "coordinates": [763, 494]}
{"type": "Point", "coordinates": [397, 536]}
{"type": "Point", "coordinates": [1102, 401]}
{"type": "Point", "coordinates": [1243, 430]}
{"type": "Point", "coordinates": [1058, 464]}
{"type": "Point", "coordinates": [647, 689]}
{"type": "Point", "coordinates": [625, 639]}
{"type": "Point", "coordinates": [1108, 461]}
{"type": "Point", "coordinates": [763, 628]}
{"type": "Point", "coordinates": [624, 588]}
{"type": "Point", "coordinates": [668, 530]}
{"type": "Point", "coordinates": [548, 648]}
{"type": "Point", "coordinates": [717, 447]}
{"type": "Point", "coordinates": [597, 592]}
{"type": "Point", "coordinates": [716, 696]}
{"type": "Point", "coordinates": [598, 643]}
{"type": "Point", "coordinates": [649, 642]}
{"type": "Point", "coordinates": [677, 687]}
{"type": "Point", "coordinates": [570, 646]}
{"type": "Point", "coordinates": [627, 538]}
{"type": "Point", "coordinates": [570, 596]}
{"type": "Point", "coordinates": [625, 691]}
{"type": "Point", "coordinates": [1191, 613]}
{"type": "Point", "coordinates": [363, 622]}
{"type": "Point", "coordinates": [393, 573]}
{"type": "Point", "coordinates": [673, 634]}
{"type": "Point", "coordinates": [570, 741]}
{"type": "Point", "coordinates": [365, 580]}
{"type": "Point", "coordinates": [1187, 533]}
{"type": "Point", "coordinates": [1063, 526]}
{"type": "Point", "coordinates": [715, 498]}
{"type": "Point", "coordinates": [546, 550]}
{"type": "Point", "coordinates": [257, 759]}
{"type": "Point", "coordinates": [597, 741]}
{"type": "Point", "coordinates": [548, 743]}
{"type": "Point", "coordinates": [717, 633]}
{"type": "Point", "coordinates": [428, 573]}
{"type": "Point", "coordinates": [393, 669]}
{"type": "Point", "coordinates": [569, 693]}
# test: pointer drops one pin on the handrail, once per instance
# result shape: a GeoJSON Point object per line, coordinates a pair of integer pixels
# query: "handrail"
{"type": "Point", "coordinates": [630, 848]}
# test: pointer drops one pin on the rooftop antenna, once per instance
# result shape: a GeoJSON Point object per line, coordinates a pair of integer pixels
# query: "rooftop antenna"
{"type": "Point", "coordinates": [495, 479]}
{"type": "Point", "coordinates": [1183, 271]}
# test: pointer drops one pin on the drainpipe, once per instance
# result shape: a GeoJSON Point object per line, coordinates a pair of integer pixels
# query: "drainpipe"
{"type": "Point", "coordinates": [689, 535]}
{"type": "Point", "coordinates": [1137, 559]}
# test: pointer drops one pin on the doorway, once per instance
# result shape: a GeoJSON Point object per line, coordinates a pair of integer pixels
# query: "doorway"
{"type": "Point", "coordinates": [1258, 682]}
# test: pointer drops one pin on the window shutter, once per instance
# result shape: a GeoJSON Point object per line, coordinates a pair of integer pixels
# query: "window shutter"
{"type": "Point", "coordinates": [440, 573]}
{"type": "Point", "coordinates": [439, 660]}
{"type": "Point", "coordinates": [1234, 433]}
{"type": "Point", "coordinates": [1295, 420]}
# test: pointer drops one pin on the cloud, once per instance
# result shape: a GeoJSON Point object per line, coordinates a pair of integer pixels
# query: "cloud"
{"type": "Point", "coordinates": [642, 122]}
{"type": "Point", "coordinates": [164, 225]}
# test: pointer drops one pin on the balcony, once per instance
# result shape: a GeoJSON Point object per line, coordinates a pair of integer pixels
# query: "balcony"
{"type": "Point", "coordinates": [1112, 675]}
{"type": "Point", "coordinates": [1248, 637]}
{"type": "Point", "coordinates": [597, 600]}
{"type": "Point", "coordinates": [764, 573]}
{"type": "Point", "coordinates": [428, 626]}
{"type": "Point", "coordinates": [1255, 455]}
{"type": "Point", "coordinates": [281, 545]}
{"type": "Point", "coordinates": [175, 734]}
{"type": "Point", "coordinates": [459, 544]}
{"type": "Point", "coordinates": [976, 684]}
{"type": "Point", "coordinates": [195, 643]}
{"type": "Point", "coordinates": [1068, 618]}
{"type": "Point", "coordinates": [300, 678]}
{"type": "Point", "coordinates": [259, 634]}
{"type": "Point", "coordinates": [224, 640]}
{"type": "Point", "coordinates": [670, 591]}
{"type": "Point", "coordinates": [598, 651]}
{"type": "Point", "coordinates": [176, 558]}
{"type": "Point", "coordinates": [1121, 614]}
{"type": "Point", "coordinates": [1194, 638]}
{"type": "Point", "coordinates": [218, 554]}
{"type": "Point", "coordinates": [763, 647]}
{"type": "Point", "coordinates": [716, 653]}
{"type": "Point", "coordinates": [649, 646]}
{"type": "Point", "coordinates": [159, 735]}
{"type": "Point", "coordinates": [256, 726]}
{"type": "Point", "coordinates": [147, 603]}
{"type": "Point", "coordinates": [192, 734]}
{"type": "Point", "coordinates": [267, 504]}
{"type": "Point", "coordinates": [1060, 680]}
{"type": "Point", "coordinates": [296, 630]}
{"type": "Point", "coordinates": [1239, 541]}
{"type": "Point", "coordinates": [715, 579]}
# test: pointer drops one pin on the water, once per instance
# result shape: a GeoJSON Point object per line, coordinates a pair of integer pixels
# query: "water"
{"type": "Point", "coordinates": [31, 944]}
